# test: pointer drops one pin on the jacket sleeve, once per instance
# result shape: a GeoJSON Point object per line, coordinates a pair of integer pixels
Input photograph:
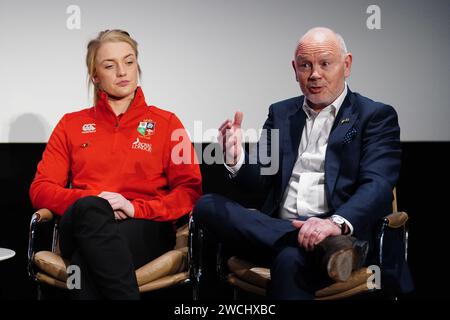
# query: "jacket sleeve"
{"type": "Point", "coordinates": [183, 176]}
{"type": "Point", "coordinates": [49, 187]}
{"type": "Point", "coordinates": [378, 172]}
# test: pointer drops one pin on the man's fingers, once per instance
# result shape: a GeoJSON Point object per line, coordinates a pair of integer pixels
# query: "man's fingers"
{"type": "Point", "coordinates": [224, 133]}
{"type": "Point", "coordinates": [298, 223]}
{"type": "Point", "coordinates": [313, 238]}
{"type": "Point", "coordinates": [305, 234]}
{"type": "Point", "coordinates": [231, 143]}
{"type": "Point", "coordinates": [320, 238]}
{"type": "Point", "coordinates": [301, 237]}
{"type": "Point", "coordinates": [229, 135]}
{"type": "Point", "coordinates": [238, 116]}
{"type": "Point", "coordinates": [311, 233]}
{"type": "Point", "coordinates": [225, 125]}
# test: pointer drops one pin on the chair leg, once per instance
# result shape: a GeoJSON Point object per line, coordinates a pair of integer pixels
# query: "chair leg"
{"type": "Point", "coordinates": [40, 295]}
{"type": "Point", "coordinates": [195, 290]}
{"type": "Point", "coordinates": [235, 294]}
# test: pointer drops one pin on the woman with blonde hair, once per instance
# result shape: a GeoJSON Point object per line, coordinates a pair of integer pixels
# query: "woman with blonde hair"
{"type": "Point", "coordinates": [109, 172]}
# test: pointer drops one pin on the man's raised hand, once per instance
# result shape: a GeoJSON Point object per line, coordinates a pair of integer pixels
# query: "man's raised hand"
{"type": "Point", "coordinates": [230, 139]}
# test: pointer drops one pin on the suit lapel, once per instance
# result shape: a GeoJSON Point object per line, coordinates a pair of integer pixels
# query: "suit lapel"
{"type": "Point", "coordinates": [291, 142]}
{"type": "Point", "coordinates": [345, 119]}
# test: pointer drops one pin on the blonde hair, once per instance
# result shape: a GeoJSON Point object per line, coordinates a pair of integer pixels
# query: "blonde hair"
{"type": "Point", "coordinates": [115, 35]}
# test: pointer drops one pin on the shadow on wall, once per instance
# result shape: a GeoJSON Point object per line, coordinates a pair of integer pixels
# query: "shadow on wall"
{"type": "Point", "coordinates": [29, 127]}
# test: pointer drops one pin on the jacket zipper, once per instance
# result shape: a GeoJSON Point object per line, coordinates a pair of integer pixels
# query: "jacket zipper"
{"type": "Point", "coordinates": [116, 133]}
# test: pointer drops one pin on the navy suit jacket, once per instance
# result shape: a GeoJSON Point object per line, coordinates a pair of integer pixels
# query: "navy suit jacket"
{"type": "Point", "coordinates": [362, 161]}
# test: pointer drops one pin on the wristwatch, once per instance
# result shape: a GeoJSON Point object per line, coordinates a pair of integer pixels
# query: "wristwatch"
{"type": "Point", "coordinates": [340, 222]}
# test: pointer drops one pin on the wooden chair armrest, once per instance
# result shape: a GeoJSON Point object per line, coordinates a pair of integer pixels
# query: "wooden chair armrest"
{"type": "Point", "coordinates": [396, 219]}
{"type": "Point", "coordinates": [43, 215]}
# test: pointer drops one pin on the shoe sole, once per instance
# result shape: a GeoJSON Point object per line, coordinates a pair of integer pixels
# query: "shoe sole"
{"type": "Point", "coordinates": [340, 265]}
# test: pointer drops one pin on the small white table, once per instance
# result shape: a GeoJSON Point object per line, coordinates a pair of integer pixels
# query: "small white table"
{"type": "Point", "coordinates": [6, 254]}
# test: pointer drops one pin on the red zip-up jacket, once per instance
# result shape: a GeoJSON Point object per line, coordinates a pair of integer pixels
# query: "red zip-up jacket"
{"type": "Point", "coordinates": [133, 154]}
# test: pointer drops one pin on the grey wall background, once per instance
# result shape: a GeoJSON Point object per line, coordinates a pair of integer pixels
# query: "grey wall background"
{"type": "Point", "coordinates": [205, 59]}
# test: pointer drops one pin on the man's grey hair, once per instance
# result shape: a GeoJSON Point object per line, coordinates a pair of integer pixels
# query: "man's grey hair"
{"type": "Point", "coordinates": [338, 36]}
{"type": "Point", "coordinates": [341, 43]}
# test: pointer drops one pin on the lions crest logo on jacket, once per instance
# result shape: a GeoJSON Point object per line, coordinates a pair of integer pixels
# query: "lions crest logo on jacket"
{"type": "Point", "coordinates": [146, 128]}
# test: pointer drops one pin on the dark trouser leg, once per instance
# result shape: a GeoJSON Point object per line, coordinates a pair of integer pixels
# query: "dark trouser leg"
{"type": "Point", "coordinates": [88, 290]}
{"type": "Point", "coordinates": [254, 234]}
{"type": "Point", "coordinates": [146, 239]}
{"type": "Point", "coordinates": [294, 275]}
{"type": "Point", "coordinates": [250, 234]}
{"type": "Point", "coordinates": [89, 228]}
{"type": "Point", "coordinates": [230, 222]}
{"type": "Point", "coordinates": [105, 250]}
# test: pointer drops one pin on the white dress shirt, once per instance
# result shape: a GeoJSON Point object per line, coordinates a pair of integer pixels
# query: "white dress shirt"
{"type": "Point", "coordinates": [305, 194]}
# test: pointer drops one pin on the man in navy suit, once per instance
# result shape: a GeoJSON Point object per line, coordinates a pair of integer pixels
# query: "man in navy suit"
{"type": "Point", "coordinates": [339, 160]}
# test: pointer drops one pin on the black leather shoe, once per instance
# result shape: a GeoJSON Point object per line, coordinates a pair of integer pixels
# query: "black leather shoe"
{"type": "Point", "coordinates": [340, 255]}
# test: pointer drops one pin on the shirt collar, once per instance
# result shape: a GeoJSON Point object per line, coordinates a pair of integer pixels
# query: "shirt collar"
{"type": "Point", "coordinates": [333, 108]}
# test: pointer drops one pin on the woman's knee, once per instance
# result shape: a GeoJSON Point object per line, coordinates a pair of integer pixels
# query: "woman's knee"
{"type": "Point", "coordinates": [91, 204]}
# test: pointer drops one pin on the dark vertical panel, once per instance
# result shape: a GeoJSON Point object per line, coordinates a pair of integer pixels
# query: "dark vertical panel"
{"type": "Point", "coordinates": [421, 192]}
